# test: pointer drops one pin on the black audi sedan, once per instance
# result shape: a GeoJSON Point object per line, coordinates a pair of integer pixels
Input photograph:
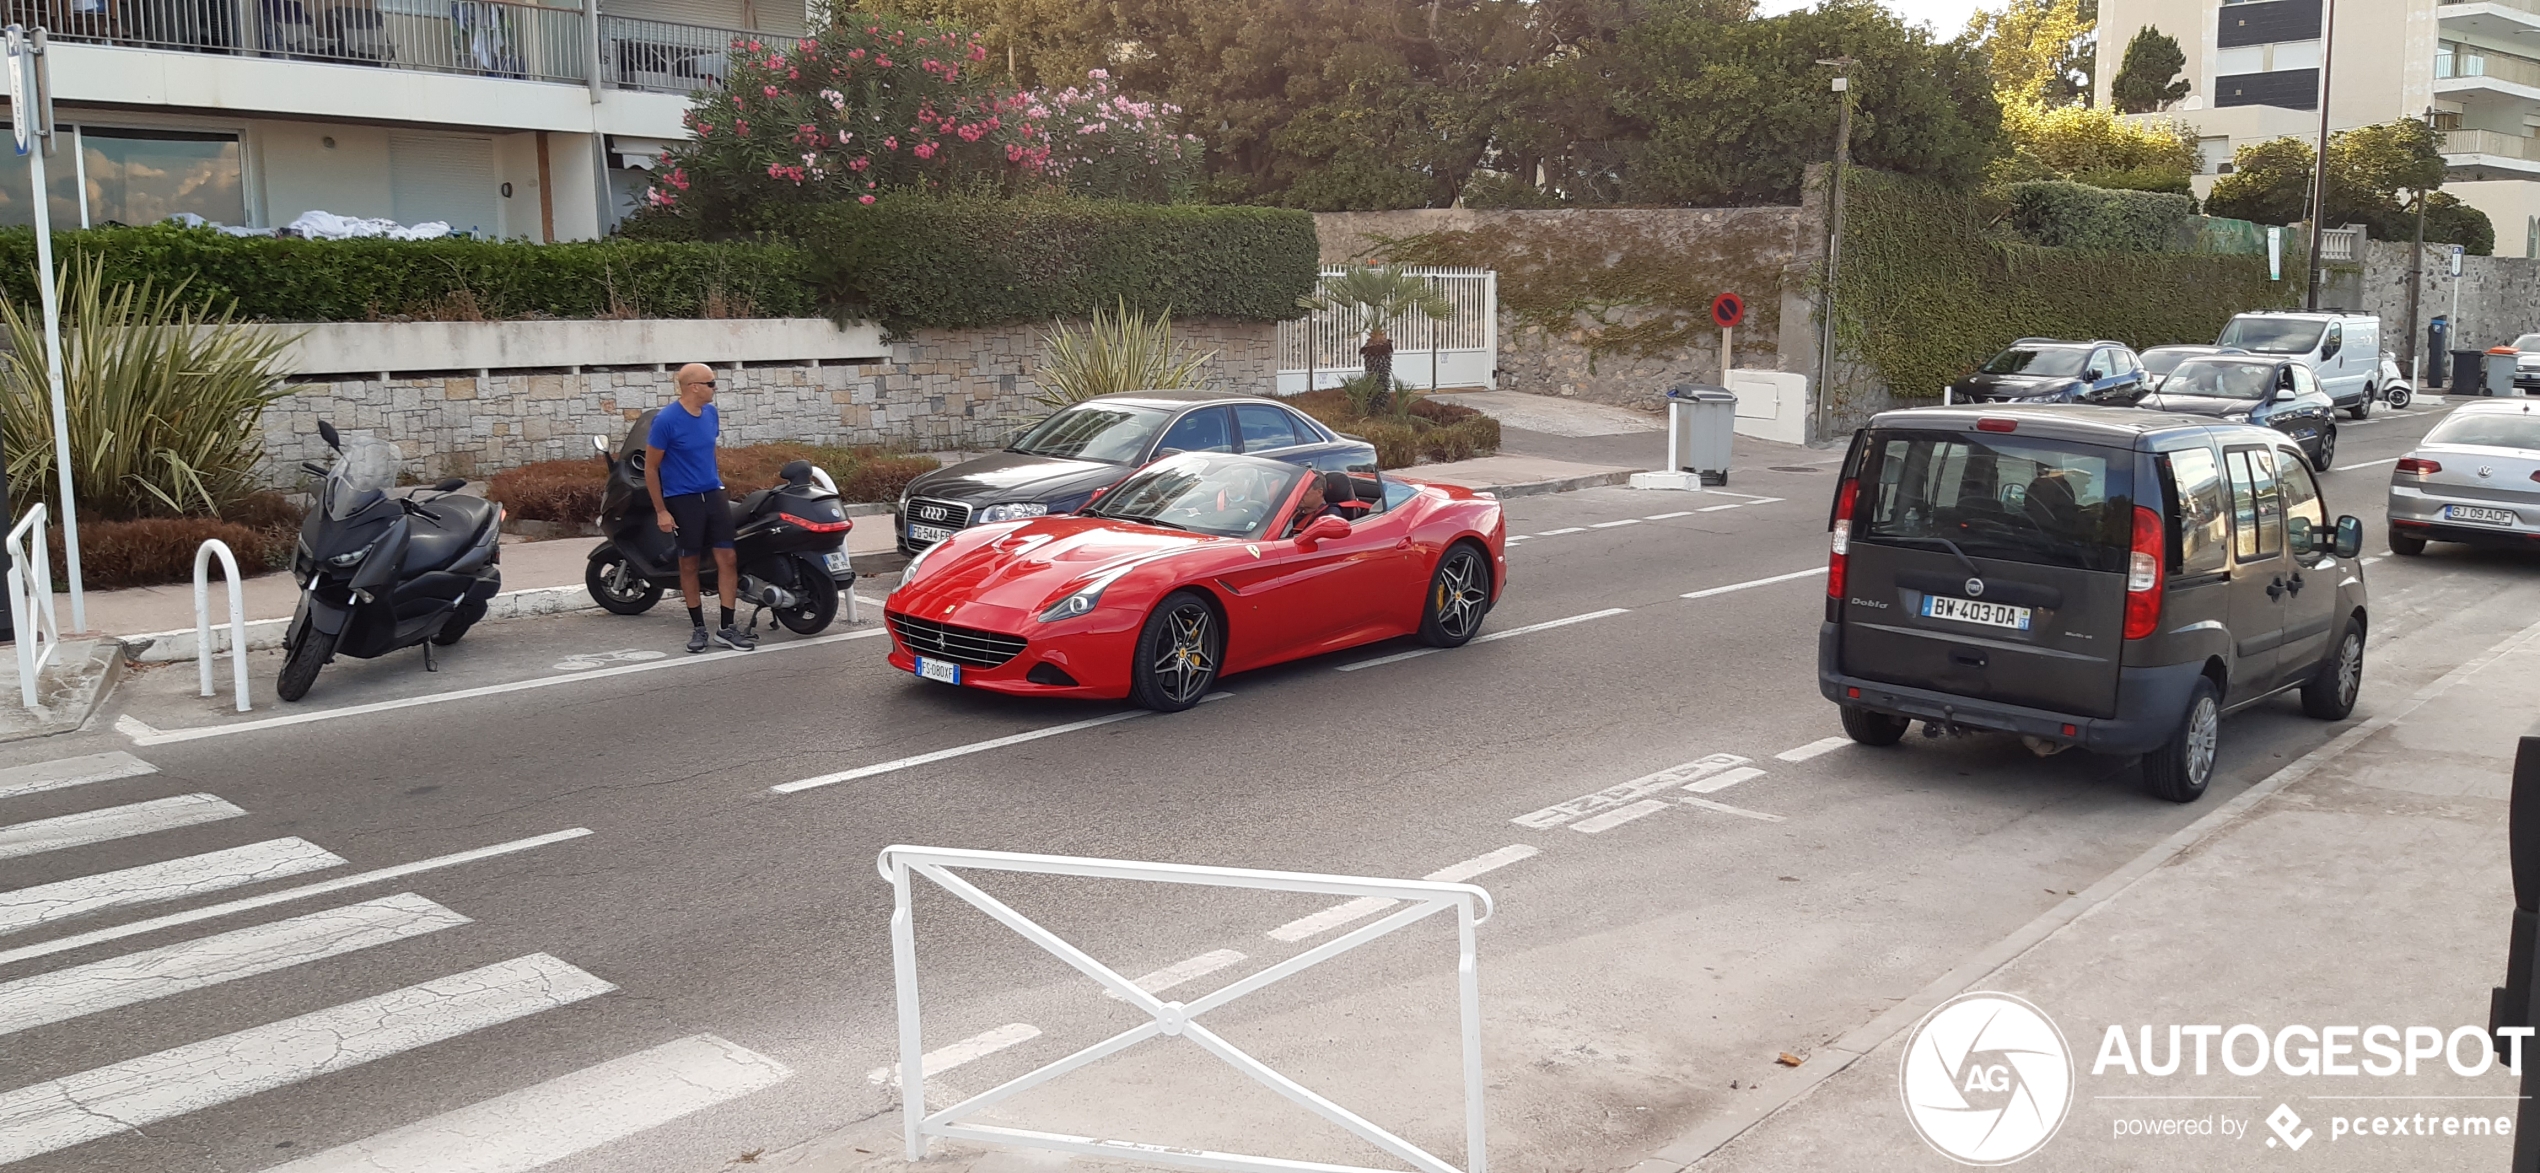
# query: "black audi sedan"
{"type": "Point", "coordinates": [1058, 464]}
{"type": "Point", "coordinates": [2266, 390]}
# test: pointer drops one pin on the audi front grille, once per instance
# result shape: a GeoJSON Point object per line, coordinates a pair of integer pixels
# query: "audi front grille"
{"type": "Point", "coordinates": [949, 515]}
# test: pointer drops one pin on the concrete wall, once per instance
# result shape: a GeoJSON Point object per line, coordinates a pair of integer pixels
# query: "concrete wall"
{"type": "Point", "coordinates": [2499, 296]}
{"type": "Point", "coordinates": [940, 389]}
{"type": "Point", "coordinates": [1764, 249]}
{"type": "Point", "coordinates": [365, 349]}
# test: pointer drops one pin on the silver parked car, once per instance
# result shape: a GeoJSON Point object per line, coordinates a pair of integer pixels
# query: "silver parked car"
{"type": "Point", "coordinates": [2476, 479]}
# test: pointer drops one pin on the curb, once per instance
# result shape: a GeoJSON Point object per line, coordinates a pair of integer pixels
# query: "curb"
{"type": "Point", "coordinates": [1594, 480]}
{"type": "Point", "coordinates": [163, 647]}
{"type": "Point", "coordinates": [72, 688]}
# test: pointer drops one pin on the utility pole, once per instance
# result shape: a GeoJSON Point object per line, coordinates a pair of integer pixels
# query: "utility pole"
{"type": "Point", "coordinates": [2319, 164]}
{"type": "Point", "coordinates": [31, 112]}
{"type": "Point", "coordinates": [1834, 239]}
{"type": "Point", "coordinates": [2416, 279]}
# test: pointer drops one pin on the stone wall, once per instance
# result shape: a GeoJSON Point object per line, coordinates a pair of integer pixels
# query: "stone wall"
{"type": "Point", "coordinates": [1761, 253]}
{"type": "Point", "coordinates": [937, 390]}
{"type": "Point", "coordinates": [2499, 296]}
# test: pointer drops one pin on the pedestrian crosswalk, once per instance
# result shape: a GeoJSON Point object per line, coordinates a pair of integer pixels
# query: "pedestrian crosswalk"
{"type": "Point", "coordinates": [516, 1130]}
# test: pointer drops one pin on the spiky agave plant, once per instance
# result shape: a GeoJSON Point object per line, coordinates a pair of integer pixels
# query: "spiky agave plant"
{"type": "Point", "coordinates": [163, 393]}
{"type": "Point", "coordinates": [1116, 352]}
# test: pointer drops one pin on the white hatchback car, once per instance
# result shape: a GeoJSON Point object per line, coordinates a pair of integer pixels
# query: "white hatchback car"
{"type": "Point", "coordinates": [2475, 478]}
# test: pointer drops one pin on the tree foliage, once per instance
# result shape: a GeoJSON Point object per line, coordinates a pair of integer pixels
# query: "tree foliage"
{"type": "Point", "coordinates": [2041, 50]}
{"type": "Point", "coordinates": [2091, 145]}
{"type": "Point", "coordinates": [2143, 82]}
{"type": "Point", "coordinates": [2270, 183]}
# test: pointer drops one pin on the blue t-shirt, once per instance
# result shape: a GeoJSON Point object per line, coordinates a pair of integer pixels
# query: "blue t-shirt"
{"type": "Point", "coordinates": [687, 450]}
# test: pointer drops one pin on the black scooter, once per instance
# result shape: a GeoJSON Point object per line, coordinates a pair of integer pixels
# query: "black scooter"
{"type": "Point", "coordinates": [379, 572]}
{"type": "Point", "coordinates": [789, 543]}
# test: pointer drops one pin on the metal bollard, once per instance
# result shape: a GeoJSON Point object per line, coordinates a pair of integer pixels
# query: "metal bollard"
{"type": "Point", "coordinates": [2512, 1004]}
{"type": "Point", "coordinates": [203, 619]}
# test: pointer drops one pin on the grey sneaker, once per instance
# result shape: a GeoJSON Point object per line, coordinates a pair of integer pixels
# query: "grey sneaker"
{"type": "Point", "coordinates": [697, 639]}
{"type": "Point", "coordinates": [736, 639]}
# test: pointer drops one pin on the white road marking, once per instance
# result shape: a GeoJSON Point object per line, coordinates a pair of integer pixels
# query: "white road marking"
{"type": "Point", "coordinates": [134, 727]}
{"type": "Point", "coordinates": [1739, 586]}
{"type": "Point", "coordinates": [1183, 971]}
{"type": "Point", "coordinates": [1518, 538]}
{"type": "Point", "coordinates": [2365, 464]}
{"type": "Point", "coordinates": [261, 900]}
{"type": "Point", "coordinates": [1576, 529]}
{"type": "Point", "coordinates": [192, 965]}
{"type": "Point", "coordinates": [572, 1113]}
{"type": "Point", "coordinates": [1619, 816]}
{"type": "Point", "coordinates": [1627, 792]}
{"type": "Point", "coordinates": [1823, 745]}
{"type": "Point", "coordinates": [941, 1060]}
{"type": "Point", "coordinates": [1766, 500]}
{"type": "Point", "coordinates": [1726, 809]}
{"type": "Point", "coordinates": [163, 737]}
{"type": "Point", "coordinates": [590, 660]}
{"type": "Point", "coordinates": [1751, 498]}
{"type": "Point", "coordinates": [2374, 558]}
{"type": "Point", "coordinates": [1529, 629]}
{"type": "Point", "coordinates": [820, 780]}
{"type": "Point", "coordinates": [1613, 524]}
{"type": "Point", "coordinates": [114, 822]}
{"type": "Point", "coordinates": [1668, 516]}
{"type": "Point", "coordinates": [1367, 906]}
{"type": "Point", "coordinates": [79, 771]}
{"type": "Point", "coordinates": [58, 1113]}
{"type": "Point", "coordinates": [1724, 780]}
{"type": "Point", "coordinates": [1717, 508]}
{"type": "Point", "coordinates": [172, 879]}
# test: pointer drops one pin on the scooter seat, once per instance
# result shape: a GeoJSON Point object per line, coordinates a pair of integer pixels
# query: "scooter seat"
{"type": "Point", "coordinates": [434, 545]}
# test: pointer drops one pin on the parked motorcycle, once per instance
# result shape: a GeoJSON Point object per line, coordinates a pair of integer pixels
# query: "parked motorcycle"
{"type": "Point", "coordinates": [379, 572]}
{"type": "Point", "coordinates": [2395, 388]}
{"type": "Point", "coordinates": [789, 543]}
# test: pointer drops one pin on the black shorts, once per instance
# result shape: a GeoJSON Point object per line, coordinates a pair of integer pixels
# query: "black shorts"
{"type": "Point", "coordinates": [704, 521]}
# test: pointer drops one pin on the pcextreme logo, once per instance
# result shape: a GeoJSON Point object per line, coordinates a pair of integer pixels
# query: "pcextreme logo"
{"type": "Point", "coordinates": [1987, 1079]}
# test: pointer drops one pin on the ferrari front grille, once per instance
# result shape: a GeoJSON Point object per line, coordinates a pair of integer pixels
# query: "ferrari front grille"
{"type": "Point", "coordinates": [961, 645]}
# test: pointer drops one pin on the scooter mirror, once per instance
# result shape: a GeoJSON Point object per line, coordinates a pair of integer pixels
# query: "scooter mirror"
{"type": "Point", "coordinates": [326, 432]}
{"type": "Point", "coordinates": [600, 444]}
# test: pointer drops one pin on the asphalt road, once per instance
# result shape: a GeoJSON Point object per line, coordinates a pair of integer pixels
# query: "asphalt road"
{"type": "Point", "coordinates": [1633, 971]}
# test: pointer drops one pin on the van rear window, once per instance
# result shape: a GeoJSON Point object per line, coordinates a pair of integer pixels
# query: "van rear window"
{"type": "Point", "coordinates": [2046, 502]}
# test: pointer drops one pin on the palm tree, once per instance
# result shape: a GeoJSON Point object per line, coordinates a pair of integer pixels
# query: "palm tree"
{"type": "Point", "coordinates": [1382, 294]}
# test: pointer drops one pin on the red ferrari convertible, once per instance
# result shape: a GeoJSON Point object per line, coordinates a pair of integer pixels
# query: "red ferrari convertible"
{"type": "Point", "coordinates": [1197, 566]}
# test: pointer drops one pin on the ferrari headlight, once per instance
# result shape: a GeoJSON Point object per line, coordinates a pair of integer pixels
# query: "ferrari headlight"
{"type": "Point", "coordinates": [1014, 512]}
{"type": "Point", "coordinates": [1082, 600]}
{"type": "Point", "coordinates": [908, 574]}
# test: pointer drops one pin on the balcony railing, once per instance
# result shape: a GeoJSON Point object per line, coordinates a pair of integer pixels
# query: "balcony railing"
{"type": "Point", "coordinates": [2458, 60]}
{"type": "Point", "coordinates": [2531, 6]}
{"type": "Point", "coordinates": [2489, 142]}
{"type": "Point", "coordinates": [486, 38]}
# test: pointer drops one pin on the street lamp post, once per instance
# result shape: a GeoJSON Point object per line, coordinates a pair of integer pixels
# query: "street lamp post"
{"type": "Point", "coordinates": [2319, 164]}
{"type": "Point", "coordinates": [1834, 238]}
{"type": "Point", "coordinates": [2416, 288]}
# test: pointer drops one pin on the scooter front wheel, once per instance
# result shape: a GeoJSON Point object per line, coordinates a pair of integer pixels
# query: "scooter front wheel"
{"type": "Point", "coordinates": [300, 671]}
{"type": "Point", "coordinates": [616, 587]}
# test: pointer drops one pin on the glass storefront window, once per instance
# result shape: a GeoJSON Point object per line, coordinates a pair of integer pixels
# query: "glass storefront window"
{"type": "Point", "coordinates": [145, 176]}
{"type": "Point", "coordinates": [61, 178]}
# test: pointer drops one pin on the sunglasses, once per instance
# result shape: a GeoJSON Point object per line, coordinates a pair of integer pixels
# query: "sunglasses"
{"type": "Point", "coordinates": [698, 383]}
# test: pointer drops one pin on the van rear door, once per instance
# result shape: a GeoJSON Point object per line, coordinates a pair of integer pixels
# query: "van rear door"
{"type": "Point", "coordinates": [1992, 566]}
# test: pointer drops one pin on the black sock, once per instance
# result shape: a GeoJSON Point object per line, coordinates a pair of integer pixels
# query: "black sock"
{"type": "Point", "coordinates": [697, 616]}
{"type": "Point", "coordinates": [727, 616]}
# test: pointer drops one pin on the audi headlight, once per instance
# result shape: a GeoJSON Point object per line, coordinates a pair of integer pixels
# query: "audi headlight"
{"type": "Point", "coordinates": [1082, 600]}
{"type": "Point", "coordinates": [1014, 512]}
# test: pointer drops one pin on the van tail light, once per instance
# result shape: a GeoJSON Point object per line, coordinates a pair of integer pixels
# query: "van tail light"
{"type": "Point", "coordinates": [1839, 550]}
{"type": "Point", "coordinates": [839, 526]}
{"type": "Point", "coordinates": [2146, 573]}
{"type": "Point", "coordinates": [2421, 466]}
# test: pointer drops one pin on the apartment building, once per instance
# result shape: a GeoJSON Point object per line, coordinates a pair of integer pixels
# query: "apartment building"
{"type": "Point", "coordinates": [2255, 67]}
{"type": "Point", "coordinates": [501, 118]}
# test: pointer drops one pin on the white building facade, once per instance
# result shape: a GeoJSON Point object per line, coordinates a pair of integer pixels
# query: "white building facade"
{"type": "Point", "coordinates": [2255, 66]}
{"type": "Point", "coordinates": [502, 119]}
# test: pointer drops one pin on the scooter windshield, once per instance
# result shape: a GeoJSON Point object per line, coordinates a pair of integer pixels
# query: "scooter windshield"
{"type": "Point", "coordinates": [366, 470]}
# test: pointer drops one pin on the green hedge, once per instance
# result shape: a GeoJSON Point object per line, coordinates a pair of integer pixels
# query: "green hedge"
{"type": "Point", "coordinates": [1926, 294]}
{"type": "Point", "coordinates": [2062, 214]}
{"type": "Point", "coordinates": [917, 260]}
{"type": "Point", "coordinates": [294, 280]}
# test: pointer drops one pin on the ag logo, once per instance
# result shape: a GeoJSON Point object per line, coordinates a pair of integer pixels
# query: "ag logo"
{"type": "Point", "coordinates": [1975, 588]}
{"type": "Point", "coordinates": [1986, 1079]}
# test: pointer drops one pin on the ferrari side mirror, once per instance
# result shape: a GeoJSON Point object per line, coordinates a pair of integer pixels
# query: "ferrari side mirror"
{"type": "Point", "coordinates": [1322, 529]}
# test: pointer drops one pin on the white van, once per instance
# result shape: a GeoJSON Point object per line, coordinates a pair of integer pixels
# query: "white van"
{"type": "Point", "coordinates": [2344, 350]}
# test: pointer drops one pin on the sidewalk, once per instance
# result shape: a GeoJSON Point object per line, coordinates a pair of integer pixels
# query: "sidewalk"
{"type": "Point", "coordinates": [2365, 883]}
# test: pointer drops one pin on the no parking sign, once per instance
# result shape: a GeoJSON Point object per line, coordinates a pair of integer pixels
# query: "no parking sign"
{"type": "Point", "coordinates": [1727, 310]}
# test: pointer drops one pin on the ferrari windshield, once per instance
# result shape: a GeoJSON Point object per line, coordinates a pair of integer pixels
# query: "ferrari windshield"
{"type": "Point", "coordinates": [2221, 378]}
{"type": "Point", "coordinates": [1113, 432]}
{"type": "Point", "coordinates": [1229, 496]}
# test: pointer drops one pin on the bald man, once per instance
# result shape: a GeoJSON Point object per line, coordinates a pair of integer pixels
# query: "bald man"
{"type": "Point", "coordinates": [688, 500]}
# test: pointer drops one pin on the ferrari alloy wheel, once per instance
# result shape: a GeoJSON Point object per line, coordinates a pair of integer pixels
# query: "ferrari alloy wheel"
{"type": "Point", "coordinates": [1178, 654]}
{"type": "Point", "coordinates": [1459, 596]}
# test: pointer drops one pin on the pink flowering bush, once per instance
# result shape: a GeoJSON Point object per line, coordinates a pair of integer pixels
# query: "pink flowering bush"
{"type": "Point", "coordinates": [872, 104]}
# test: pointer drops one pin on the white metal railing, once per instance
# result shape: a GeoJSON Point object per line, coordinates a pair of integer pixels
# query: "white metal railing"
{"type": "Point", "coordinates": [672, 58]}
{"type": "Point", "coordinates": [491, 38]}
{"type": "Point", "coordinates": [898, 864]}
{"type": "Point", "coordinates": [2489, 142]}
{"type": "Point", "coordinates": [1321, 349]}
{"type": "Point", "coordinates": [31, 616]}
{"type": "Point", "coordinates": [203, 654]}
{"type": "Point", "coordinates": [2341, 244]}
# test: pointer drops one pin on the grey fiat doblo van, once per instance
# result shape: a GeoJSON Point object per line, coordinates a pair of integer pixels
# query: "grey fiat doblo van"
{"type": "Point", "coordinates": [2098, 577]}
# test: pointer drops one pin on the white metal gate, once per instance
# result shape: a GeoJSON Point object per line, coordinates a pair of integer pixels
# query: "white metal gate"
{"type": "Point", "coordinates": [1471, 905]}
{"type": "Point", "coordinates": [1321, 349]}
